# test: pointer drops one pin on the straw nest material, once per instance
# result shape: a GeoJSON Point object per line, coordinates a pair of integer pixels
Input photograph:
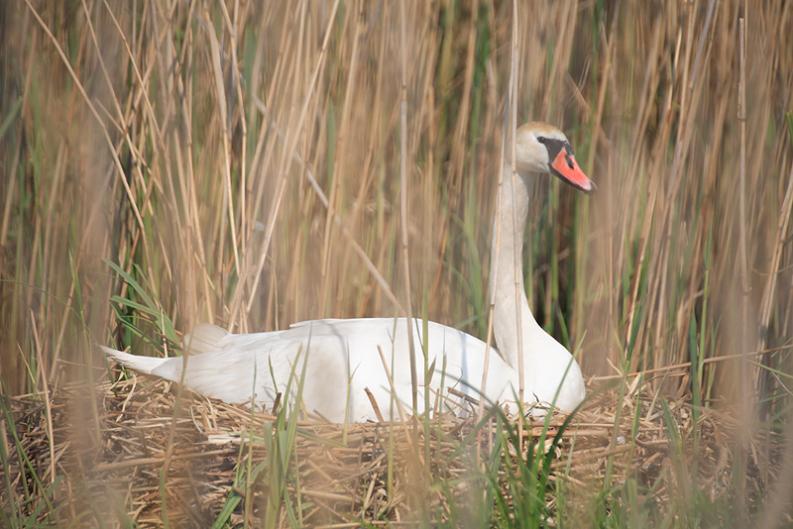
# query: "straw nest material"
{"type": "Point", "coordinates": [141, 451]}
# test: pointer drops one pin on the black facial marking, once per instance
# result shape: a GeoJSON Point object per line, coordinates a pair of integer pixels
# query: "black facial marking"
{"type": "Point", "coordinates": [553, 146]}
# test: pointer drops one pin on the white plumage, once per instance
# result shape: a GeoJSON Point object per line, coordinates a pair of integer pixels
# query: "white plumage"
{"type": "Point", "coordinates": [240, 368]}
{"type": "Point", "coordinates": [344, 358]}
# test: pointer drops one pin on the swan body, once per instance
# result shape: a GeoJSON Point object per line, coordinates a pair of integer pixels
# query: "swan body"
{"type": "Point", "coordinates": [342, 360]}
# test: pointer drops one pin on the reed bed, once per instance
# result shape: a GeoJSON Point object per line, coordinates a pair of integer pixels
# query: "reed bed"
{"type": "Point", "coordinates": [253, 164]}
{"type": "Point", "coordinates": [162, 458]}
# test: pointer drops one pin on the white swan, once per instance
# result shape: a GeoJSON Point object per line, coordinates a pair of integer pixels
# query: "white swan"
{"type": "Point", "coordinates": [345, 358]}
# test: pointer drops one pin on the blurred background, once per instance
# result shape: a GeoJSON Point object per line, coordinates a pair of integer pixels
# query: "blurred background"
{"type": "Point", "coordinates": [170, 163]}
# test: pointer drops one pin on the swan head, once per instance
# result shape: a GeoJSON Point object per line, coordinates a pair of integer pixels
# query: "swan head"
{"type": "Point", "coordinates": [542, 148]}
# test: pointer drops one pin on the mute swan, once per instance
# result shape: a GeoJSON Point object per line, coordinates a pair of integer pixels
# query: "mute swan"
{"type": "Point", "coordinates": [345, 358]}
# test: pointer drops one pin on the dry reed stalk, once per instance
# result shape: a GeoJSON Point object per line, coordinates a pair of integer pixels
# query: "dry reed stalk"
{"type": "Point", "coordinates": [403, 203]}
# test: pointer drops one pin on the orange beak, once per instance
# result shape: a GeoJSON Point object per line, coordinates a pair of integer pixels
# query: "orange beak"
{"type": "Point", "coordinates": [565, 167]}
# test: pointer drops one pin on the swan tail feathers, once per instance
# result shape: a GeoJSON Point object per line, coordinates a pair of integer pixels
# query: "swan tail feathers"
{"type": "Point", "coordinates": [142, 364]}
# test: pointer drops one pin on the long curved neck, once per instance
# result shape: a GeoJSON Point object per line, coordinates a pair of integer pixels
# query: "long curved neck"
{"type": "Point", "coordinates": [513, 323]}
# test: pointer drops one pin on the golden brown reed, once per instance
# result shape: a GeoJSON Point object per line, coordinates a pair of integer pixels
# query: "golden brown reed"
{"type": "Point", "coordinates": [249, 163]}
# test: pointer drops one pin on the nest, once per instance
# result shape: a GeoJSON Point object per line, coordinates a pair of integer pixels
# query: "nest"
{"type": "Point", "coordinates": [141, 451]}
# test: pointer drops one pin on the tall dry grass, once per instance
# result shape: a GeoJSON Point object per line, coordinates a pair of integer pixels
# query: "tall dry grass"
{"type": "Point", "coordinates": [249, 163]}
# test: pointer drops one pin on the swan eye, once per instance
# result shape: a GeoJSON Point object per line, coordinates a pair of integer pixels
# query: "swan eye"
{"type": "Point", "coordinates": [553, 146]}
